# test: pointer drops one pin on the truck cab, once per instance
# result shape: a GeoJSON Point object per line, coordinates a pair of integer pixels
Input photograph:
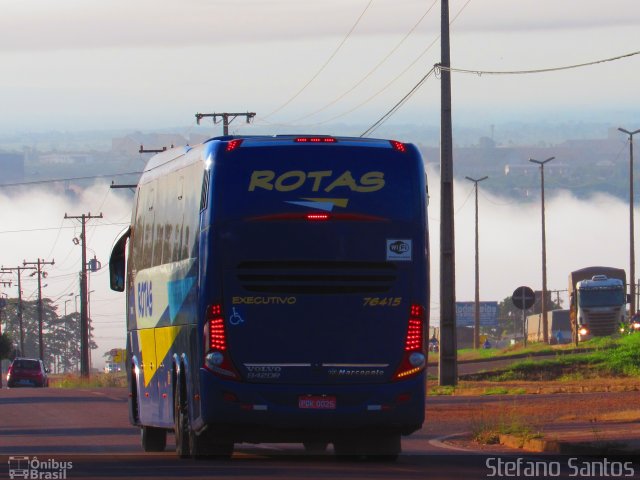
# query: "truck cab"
{"type": "Point", "coordinates": [600, 306]}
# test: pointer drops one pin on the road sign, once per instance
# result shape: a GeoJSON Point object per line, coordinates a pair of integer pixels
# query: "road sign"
{"type": "Point", "coordinates": [465, 314]}
{"type": "Point", "coordinates": [523, 298]}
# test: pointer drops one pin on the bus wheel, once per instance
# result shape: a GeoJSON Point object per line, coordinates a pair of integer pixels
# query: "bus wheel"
{"type": "Point", "coordinates": [181, 424]}
{"type": "Point", "coordinates": [208, 446]}
{"type": "Point", "coordinates": [383, 448]}
{"type": "Point", "coordinates": [315, 448]}
{"type": "Point", "coordinates": [153, 439]}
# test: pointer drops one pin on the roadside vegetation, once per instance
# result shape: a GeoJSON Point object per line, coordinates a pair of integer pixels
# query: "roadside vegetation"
{"type": "Point", "coordinates": [96, 380]}
{"type": "Point", "coordinates": [487, 428]}
{"type": "Point", "coordinates": [532, 349]}
{"type": "Point", "coordinates": [601, 364]}
{"type": "Point", "coordinates": [605, 358]}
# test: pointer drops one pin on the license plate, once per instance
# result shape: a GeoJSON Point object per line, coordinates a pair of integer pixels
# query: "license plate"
{"type": "Point", "coordinates": [317, 402]}
{"type": "Point", "coordinates": [25, 382]}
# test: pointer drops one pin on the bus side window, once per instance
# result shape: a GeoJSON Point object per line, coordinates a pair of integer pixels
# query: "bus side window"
{"type": "Point", "coordinates": [138, 230]}
{"type": "Point", "coordinates": [160, 212]}
{"type": "Point", "coordinates": [204, 197]}
{"type": "Point", "coordinates": [149, 220]}
{"type": "Point", "coordinates": [177, 215]}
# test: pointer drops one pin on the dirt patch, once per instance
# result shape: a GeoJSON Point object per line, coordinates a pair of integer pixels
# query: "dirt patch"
{"type": "Point", "coordinates": [592, 385]}
{"type": "Point", "coordinates": [538, 408]}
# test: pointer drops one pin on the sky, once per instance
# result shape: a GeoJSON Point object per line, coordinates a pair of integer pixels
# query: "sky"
{"type": "Point", "coordinates": [72, 65]}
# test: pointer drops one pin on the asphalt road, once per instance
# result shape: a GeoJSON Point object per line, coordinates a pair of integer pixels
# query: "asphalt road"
{"type": "Point", "coordinates": [84, 433]}
{"type": "Point", "coordinates": [90, 429]}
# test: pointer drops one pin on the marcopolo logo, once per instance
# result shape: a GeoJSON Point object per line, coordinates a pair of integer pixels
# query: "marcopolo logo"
{"type": "Point", "coordinates": [32, 468]}
{"type": "Point", "coordinates": [398, 249]}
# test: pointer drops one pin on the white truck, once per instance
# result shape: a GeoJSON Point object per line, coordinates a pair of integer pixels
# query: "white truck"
{"type": "Point", "coordinates": [597, 301]}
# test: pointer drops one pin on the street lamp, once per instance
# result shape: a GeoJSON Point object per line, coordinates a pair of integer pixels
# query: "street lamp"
{"type": "Point", "coordinates": [543, 303]}
{"type": "Point", "coordinates": [632, 255]}
{"type": "Point", "coordinates": [476, 332]}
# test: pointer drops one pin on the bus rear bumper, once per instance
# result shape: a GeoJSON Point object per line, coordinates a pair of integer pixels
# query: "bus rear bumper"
{"type": "Point", "coordinates": [252, 412]}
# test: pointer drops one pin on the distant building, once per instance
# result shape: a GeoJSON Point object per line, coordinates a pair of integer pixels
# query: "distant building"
{"type": "Point", "coordinates": [60, 158]}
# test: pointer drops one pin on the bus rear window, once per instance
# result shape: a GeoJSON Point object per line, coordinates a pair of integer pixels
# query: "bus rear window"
{"type": "Point", "coordinates": [353, 181]}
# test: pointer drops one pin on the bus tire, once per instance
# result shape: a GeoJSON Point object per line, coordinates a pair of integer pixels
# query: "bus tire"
{"type": "Point", "coordinates": [315, 448]}
{"type": "Point", "coordinates": [181, 424]}
{"type": "Point", "coordinates": [134, 408]}
{"type": "Point", "coordinates": [153, 439]}
{"type": "Point", "coordinates": [208, 446]}
{"type": "Point", "coordinates": [383, 448]}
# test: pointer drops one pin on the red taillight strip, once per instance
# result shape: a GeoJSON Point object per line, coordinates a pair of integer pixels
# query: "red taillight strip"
{"type": "Point", "coordinates": [233, 144]}
{"type": "Point", "coordinates": [315, 140]}
{"type": "Point", "coordinates": [415, 330]}
{"type": "Point", "coordinates": [217, 332]}
{"type": "Point", "coordinates": [414, 335]}
{"type": "Point", "coordinates": [317, 216]}
{"type": "Point", "coordinates": [399, 146]}
{"type": "Point", "coordinates": [413, 344]}
{"type": "Point", "coordinates": [217, 359]}
{"type": "Point", "coordinates": [217, 335]}
{"type": "Point", "coordinates": [351, 217]}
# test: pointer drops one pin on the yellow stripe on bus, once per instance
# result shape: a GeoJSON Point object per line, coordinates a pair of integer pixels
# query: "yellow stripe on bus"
{"type": "Point", "coordinates": [155, 343]}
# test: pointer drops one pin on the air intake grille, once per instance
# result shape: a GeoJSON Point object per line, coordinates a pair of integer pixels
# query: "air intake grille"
{"type": "Point", "coordinates": [316, 277]}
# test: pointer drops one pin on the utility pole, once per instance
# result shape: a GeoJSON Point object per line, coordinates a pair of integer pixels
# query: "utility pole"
{"type": "Point", "coordinates": [19, 269]}
{"type": "Point", "coordinates": [152, 150]}
{"type": "Point", "coordinates": [84, 319]}
{"type": "Point", "coordinates": [476, 332]}
{"type": "Point", "coordinates": [227, 118]}
{"type": "Point", "coordinates": [632, 253]}
{"type": "Point", "coordinates": [448, 365]}
{"type": "Point", "coordinates": [3, 304]}
{"type": "Point", "coordinates": [40, 273]}
{"type": "Point", "coordinates": [543, 300]}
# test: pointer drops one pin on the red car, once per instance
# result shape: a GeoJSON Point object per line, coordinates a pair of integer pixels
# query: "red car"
{"type": "Point", "coordinates": [27, 372]}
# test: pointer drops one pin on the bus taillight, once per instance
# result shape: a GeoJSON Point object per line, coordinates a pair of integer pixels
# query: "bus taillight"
{"type": "Point", "coordinates": [413, 360]}
{"type": "Point", "coordinates": [399, 146]}
{"type": "Point", "coordinates": [216, 357]}
{"type": "Point", "coordinates": [315, 140]}
{"type": "Point", "coordinates": [317, 216]}
{"type": "Point", "coordinates": [233, 144]}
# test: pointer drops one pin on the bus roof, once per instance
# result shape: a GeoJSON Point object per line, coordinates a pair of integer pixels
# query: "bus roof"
{"type": "Point", "coordinates": [306, 139]}
{"type": "Point", "coordinates": [176, 158]}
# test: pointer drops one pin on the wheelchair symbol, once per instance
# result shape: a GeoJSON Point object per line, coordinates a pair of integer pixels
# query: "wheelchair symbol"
{"type": "Point", "coordinates": [235, 319]}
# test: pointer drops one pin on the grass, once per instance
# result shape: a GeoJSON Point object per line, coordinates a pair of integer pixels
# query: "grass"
{"type": "Point", "coordinates": [96, 380]}
{"type": "Point", "coordinates": [488, 428]}
{"type": "Point", "coordinates": [607, 357]}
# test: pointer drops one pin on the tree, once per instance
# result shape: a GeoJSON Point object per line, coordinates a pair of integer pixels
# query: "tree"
{"type": "Point", "coordinates": [61, 334]}
{"type": "Point", "coordinates": [6, 346]}
{"type": "Point", "coordinates": [510, 317]}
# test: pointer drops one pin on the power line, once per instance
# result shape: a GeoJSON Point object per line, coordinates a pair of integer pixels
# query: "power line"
{"type": "Point", "coordinates": [324, 65]}
{"type": "Point", "coordinates": [56, 228]}
{"type": "Point", "coordinates": [538, 70]}
{"type": "Point", "coordinates": [374, 69]}
{"type": "Point", "coordinates": [397, 77]}
{"type": "Point", "coordinates": [397, 106]}
{"type": "Point", "coordinates": [56, 180]}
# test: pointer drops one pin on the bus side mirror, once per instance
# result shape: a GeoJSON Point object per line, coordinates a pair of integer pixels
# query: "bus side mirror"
{"type": "Point", "coordinates": [628, 298]}
{"type": "Point", "coordinates": [117, 262]}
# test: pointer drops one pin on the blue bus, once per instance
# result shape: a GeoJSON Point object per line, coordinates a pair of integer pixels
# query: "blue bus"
{"type": "Point", "coordinates": [277, 290]}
